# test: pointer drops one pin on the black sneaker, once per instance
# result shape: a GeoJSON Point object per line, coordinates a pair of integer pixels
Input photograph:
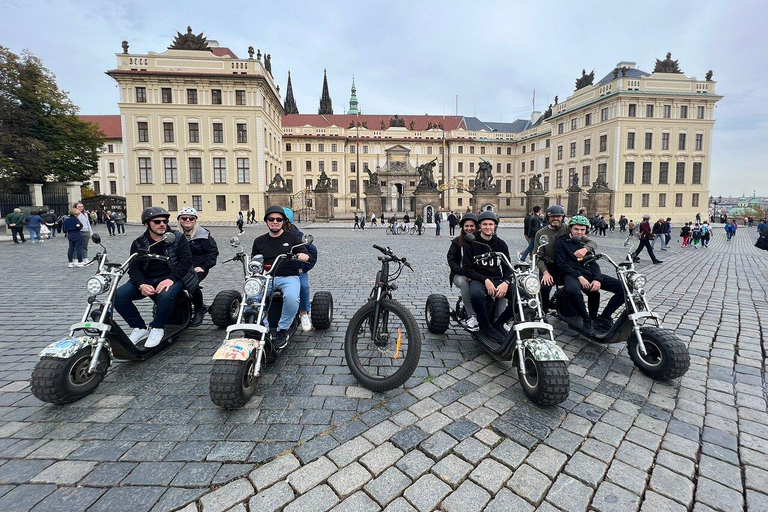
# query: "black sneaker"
{"type": "Point", "coordinates": [280, 341]}
{"type": "Point", "coordinates": [658, 262]}
{"type": "Point", "coordinates": [588, 328]}
{"type": "Point", "coordinates": [604, 322]}
{"type": "Point", "coordinates": [197, 319]}
{"type": "Point", "coordinates": [636, 259]}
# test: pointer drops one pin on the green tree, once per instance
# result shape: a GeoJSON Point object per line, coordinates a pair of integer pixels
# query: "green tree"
{"type": "Point", "coordinates": [41, 137]}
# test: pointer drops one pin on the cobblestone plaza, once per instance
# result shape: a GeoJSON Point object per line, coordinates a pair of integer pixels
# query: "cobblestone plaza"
{"type": "Point", "coordinates": [461, 436]}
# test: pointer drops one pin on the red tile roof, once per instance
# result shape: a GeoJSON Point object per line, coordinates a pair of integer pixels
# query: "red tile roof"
{"type": "Point", "coordinates": [222, 51]}
{"type": "Point", "coordinates": [109, 124]}
{"type": "Point", "coordinates": [420, 122]}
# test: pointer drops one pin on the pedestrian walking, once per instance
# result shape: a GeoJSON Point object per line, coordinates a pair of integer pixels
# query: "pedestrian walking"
{"type": "Point", "coordinates": [357, 223]}
{"type": "Point", "coordinates": [362, 222]}
{"type": "Point", "coordinates": [685, 233]}
{"type": "Point", "coordinates": [33, 222]}
{"type": "Point", "coordinates": [50, 222]}
{"type": "Point", "coordinates": [611, 223]}
{"type": "Point", "coordinates": [373, 218]}
{"type": "Point", "coordinates": [452, 222]}
{"type": "Point", "coordinates": [631, 226]}
{"type": "Point", "coordinates": [120, 222]}
{"type": "Point", "coordinates": [253, 215]}
{"type": "Point", "coordinates": [533, 225]}
{"type": "Point", "coordinates": [109, 220]}
{"type": "Point", "coordinates": [15, 222]}
{"type": "Point", "coordinates": [705, 234]}
{"type": "Point", "coordinates": [696, 232]}
{"type": "Point", "coordinates": [438, 219]}
{"type": "Point", "coordinates": [659, 229]}
{"type": "Point", "coordinates": [646, 235]}
{"type": "Point", "coordinates": [86, 230]}
{"type": "Point", "coordinates": [71, 228]}
{"type": "Point", "coordinates": [668, 232]}
{"type": "Point", "coordinates": [730, 229]}
{"type": "Point", "coordinates": [623, 224]}
{"type": "Point", "coordinates": [240, 222]}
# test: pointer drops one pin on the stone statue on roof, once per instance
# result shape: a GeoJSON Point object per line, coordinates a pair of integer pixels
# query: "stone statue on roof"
{"type": "Point", "coordinates": [709, 76]}
{"type": "Point", "coordinates": [548, 112]}
{"type": "Point", "coordinates": [413, 125]}
{"type": "Point", "coordinates": [556, 100]}
{"type": "Point", "coordinates": [189, 41]}
{"type": "Point", "coordinates": [382, 124]}
{"type": "Point", "coordinates": [250, 52]}
{"type": "Point", "coordinates": [397, 121]}
{"type": "Point", "coordinates": [125, 46]}
{"type": "Point", "coordinates": [268, 63]}
{"type": "Point", "coordinates": [585, 80]}
{"type": "Point", "coordinates": [667, 65]}
{"type": "Point", "coordinates": [426, 176]}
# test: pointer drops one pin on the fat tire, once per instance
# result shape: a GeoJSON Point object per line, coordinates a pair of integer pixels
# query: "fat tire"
{"type": "Point", "coordinates": [226, 387]}
{"type": "Point", "coordinates": [322, 310]}
{"type": "Point", "coordinates": [675, 357]}
{"type": "Point", "coordinates": [221, 308]}
{"type": "Point", "coordinates": [412, 357]}
{"type": "Point", "coordinates": [50, 378]}
{"type": "Point", "coordinates": [553, 385]}
{"type": "Point", "coordinates": [438, 313]}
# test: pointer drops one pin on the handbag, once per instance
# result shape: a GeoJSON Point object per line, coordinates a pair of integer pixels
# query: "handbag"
{"type": "Point", "coordinates": [44, 231]}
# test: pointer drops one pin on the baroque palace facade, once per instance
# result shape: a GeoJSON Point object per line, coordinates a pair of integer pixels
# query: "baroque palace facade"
{"type": "Point", "coordinates": [204, 128]}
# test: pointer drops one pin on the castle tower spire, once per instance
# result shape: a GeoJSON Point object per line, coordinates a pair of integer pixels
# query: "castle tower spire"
{"type": "Point", "coordinates": [290, 103]}
{"type": "Point", "coordinates": [326, 106]}
{"type": "Point", "coordinates": [353, 107]}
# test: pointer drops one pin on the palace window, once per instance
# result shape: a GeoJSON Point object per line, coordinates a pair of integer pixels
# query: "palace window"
{"type": "Point", "coordinates": [645, 200]}
{"type": "Point", "coordinates": [334, 166]}
{"type": "Point", "coordinates": [667, 111]}
{"type": "Point", "coordinates": [240, 97]}
{"type": "Point", "coordinates": [365, 150]}
{"type": "Point", "coordinates": [168, 132]}
{"type": "Point", "coordinates": [471, 167]}
{"type": "Point", "coordinates": [173, 203]}
{"type": "Point", "coordinates": [678, 200]}
{"type": "Point", "coordinates": [523, 149]}
{"type": "Point", "coordinates": [471, 150]}
{"type": "Point", "coordinates": [321, 148]}
{"type": "Point", "coordinates": [242, 133]}
{"type": "Point", "coordinates": [461, 167]}
{"type": "Point", "coordinates": [588, 120]}
{"type": "Point", "coordinates": [627, 200]}
{"type": "Point", "coordinates": [216, 96]}
{"type": "Point", "coordinates": [245, 201]}
{"type": "Point", "coordinates": [648, 140]}
{"type": "Point", "coordinates": [192, 96]}
{"type": "Point", "coordinates": [197, 203]}
{"type": "Point", "coordinates": [663, 173]}
{"type": "Point", "coordinates": [461, 150]}
{"type": "Point", "coordinates": [195, 169]}
{"type": "Point", "coordinates": [699, 142]}
{"type": "Point", "coordinates": [681, 142]}
{"type": "Point", "coordinates": [143, 128]}
{"type": "Point", "coordinates": [218, 133]}
{"type": "Point", "coordinates": [546, 183]}
{"type": "Point", "coordinates": [219, 170]}
{"type": "Point", "coordinates": [631, 140]}
{"type": "Point", "coordinates": [308, 147]}
{"type": "Point", "coordinates": [695, 200]}
{"type": "Point", "coordinates": [287, 146]}
{"type": "Point", "coordinates": [243, 170]}
{"type": "Point", "coordinates": [167, 96]}
{"type": "Point", "coordinates": [560, 128]}
{"type": "Point", "coordinates": [585, 178]}
{"type": "Point", "coordinates": [683, 111]}
{"type": "Point", "coordinates": [288, 166]}
{"type": "Point", "coordinates": [482, 150]}
{"type": "Point", "coordinates": [141, 95]}
{"type": "Point", "coordinates": [112, 167]}
{"type": "Point", "coordinates": [509, 168]}
{"type": "Point", "coordinates": [171, 171]}
{"type": "Point", "coordinates": [559, 179]}
{"type": "Point", "coordinates": [509, 150]}
{"type": "Point", "coordinates": [573, 149]}
{"type": "Point", "coordinates": [574, 124]}
{"type": "Point", "coordinates": [662, 200]}
{"type": "Point", "coordinates": [700, 112]}
{"type": "Point", "coordinates": [146, 202]}
{"type": "Point", "coordinates": [587, 146]}
{"type": "Point", "coordinates": [334, 147]}
{"type": "Point", "coordinates": [604, 114]}
{"type": "Point", "coordinates": [145, 170]}
{"type": "Point", "coordinates": [649, 111]}
{"type": "Point", "coordinates": [696, 180]}
{"type": "Point", "coordinates": [632, 110]}
{"type": "Point", "coordinates": [97, 187]}
{"type": "Point", "coordinates": [353, 186]}
{"type": "Point", "coordinates": [194, 132]}
{"type": "Point", "coordinates": [498, 150]}
{"type": "Point", "coordinates": [680, 173]}
{"type": "Point", "coordinates": [221, 203]}
{"type": "Point", "coordinates": [665, 141]}
{"type": "Point", "coordinates": [646, 178]}
{"type": "Point", "coordinates": [308, 166]}
{"type": "Point", "coordinates": [113, 187]}
{"type": "Point", "coordinates": [629, 172]}
{"type": "Point", "coordinates": [523, 166]}
{"type": "Point", "coordinates": [321, 166]}
{"type": "Point", "coordinates": [560, 152]}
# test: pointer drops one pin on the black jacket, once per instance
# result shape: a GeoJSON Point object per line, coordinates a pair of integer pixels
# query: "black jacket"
{"type": "Point", "coordinates": [535, 223]}
{"type": "Point", "coordinates": [177, 267]}
{"type": "Point", "coordinates": [204, 249]}
{"type": "Point", "coordinates": [569, 265]}
{"type": "Point", "coordinates": [481, 272]}
{"type": "Point", "coordinates": [454, 259]}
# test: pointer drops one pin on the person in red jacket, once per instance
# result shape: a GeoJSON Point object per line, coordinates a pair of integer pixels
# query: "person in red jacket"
{"type": "Point", "coordinates": [645, 241]}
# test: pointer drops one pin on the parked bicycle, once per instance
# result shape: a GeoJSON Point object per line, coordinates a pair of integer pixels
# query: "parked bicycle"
{"type": "Point", "coordinates": [383, 341]}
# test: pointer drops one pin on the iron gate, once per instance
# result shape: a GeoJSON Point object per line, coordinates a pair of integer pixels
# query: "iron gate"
{"type": "Point", "coordinates": [9, 201]}
{"type": "Point", "coordinates": [303, 205]}
{"type": "Point", "coordinates": [56, 198]}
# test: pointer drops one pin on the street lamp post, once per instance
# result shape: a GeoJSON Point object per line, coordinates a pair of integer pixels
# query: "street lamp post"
{"type": "Point", "coordinates": [357, 166]}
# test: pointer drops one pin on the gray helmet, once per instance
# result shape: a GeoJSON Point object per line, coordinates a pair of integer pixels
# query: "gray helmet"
{"type": "Point", "coordinates": [555, 210]}
{"type": "Point", "coordinates": [153, 212]}
{"type": "Point", "coordinates": [469, 216]}
{"type": "Point", "coordinates": [275, 209]}
{"type": "Point", "coordinates": [488, 215]}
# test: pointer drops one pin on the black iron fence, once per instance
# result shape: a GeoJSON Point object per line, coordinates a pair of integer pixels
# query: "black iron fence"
{"type": "Point", "coordinates": [11, 200]}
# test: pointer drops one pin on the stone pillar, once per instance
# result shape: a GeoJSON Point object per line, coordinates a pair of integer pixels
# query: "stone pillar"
{"type": "Point", "coordinates": [574, 200]}
{"type": "Point", "coordinates": [36, 193]}
{"type": "Point", "coordinates": [426, 198]}
{"type": "Point", "coordinates": [279, 198]}
{"type": "Point", "coordinates": [373, 200]}
{"type": "Point", "coordinates": [485, 196]}
{"type": "Point", "coordinates": [323, 204]}
{"type": "Point", "coordinates": [74, 193]}
{"type": "Point", "coordinates": [599, 201]}
{"type": "Point", "coordinates": [534, 197]}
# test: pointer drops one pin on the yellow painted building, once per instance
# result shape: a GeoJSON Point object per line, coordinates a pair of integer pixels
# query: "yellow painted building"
{"type": "Point", "coordinates": [201, 128]}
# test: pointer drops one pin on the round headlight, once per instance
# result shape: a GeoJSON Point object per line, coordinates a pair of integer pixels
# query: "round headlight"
{"type": "Point", "coordinates": [638, 281]}
{"type": "Point", "coordinates": [96, 285]}
{"type": "Point", "coordinates": [530, 284]}
{"type": "Point", "coordinates": [253, 287]}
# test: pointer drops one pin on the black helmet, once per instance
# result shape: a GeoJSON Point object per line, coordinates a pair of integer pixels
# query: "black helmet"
{"type": "Point", "coordinates": [469, 216]}
{"type": "Point", "coordinates": [152, 212]}
{"type": "Point", "coordinates": [488, 215]}
{"type": "Point", "coordinates": [274, 209]}
{"type": "Point", "coordinates": [555, 210]}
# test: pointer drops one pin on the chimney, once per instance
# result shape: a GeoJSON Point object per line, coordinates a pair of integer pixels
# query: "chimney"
{"type": "Point", "coordinates": [535, 116]}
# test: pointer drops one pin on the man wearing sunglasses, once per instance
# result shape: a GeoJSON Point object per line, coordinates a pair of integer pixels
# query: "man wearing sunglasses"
{"type": "Point", "coordinates": [161, 278]}
{"type": "Point", "coordinates": [279, 240]}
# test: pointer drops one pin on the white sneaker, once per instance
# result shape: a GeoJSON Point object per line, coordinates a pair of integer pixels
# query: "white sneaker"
{"type": "Point", "coordinates": [138, 334]}
{"type": "Point", "coordinates": [80, 264]}
{"type": "Point", "coordinates": [72, 265]}
{"type": "Point", "coordinates": [306, 323]}
{"type": "Point", "coordinates": [155, 337]}
{"type": "Point", "coordinates": [472, 324]}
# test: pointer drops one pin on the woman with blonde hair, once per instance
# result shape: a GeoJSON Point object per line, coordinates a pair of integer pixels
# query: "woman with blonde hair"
{"type": "Point", "coordinates": [204, 253]}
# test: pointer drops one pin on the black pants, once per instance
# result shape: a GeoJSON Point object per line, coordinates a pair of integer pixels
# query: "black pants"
{"type": "Point", "coordinates": [18, 231]}
{"type": "Point", "coordinates": [546, 290]}
{"type": "Point", "coordinates": [644, 242]}
{"type": "Point", "coordinates": [478, 294]}
{"type": "Point", "coordinates": [610, 284]}
{"type": "Point", "coordinates": [452, 229]}
{"type": "Point", "coordinates": [197, 295]}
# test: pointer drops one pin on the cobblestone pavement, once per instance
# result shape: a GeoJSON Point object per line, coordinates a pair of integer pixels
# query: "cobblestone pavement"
{"type": "Point", "coordinates": [460, 437]}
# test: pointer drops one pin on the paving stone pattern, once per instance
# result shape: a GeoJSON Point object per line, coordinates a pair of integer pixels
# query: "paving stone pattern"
{"type": "Point", "coordinates": [460, 436]}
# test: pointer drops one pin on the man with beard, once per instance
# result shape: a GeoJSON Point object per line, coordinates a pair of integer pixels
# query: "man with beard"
{"type": "Point", "coordinates": [163, 278]}
{"type": "Point", "coordinates": [578, 277]}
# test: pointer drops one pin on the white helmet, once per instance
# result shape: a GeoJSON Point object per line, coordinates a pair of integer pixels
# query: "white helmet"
{"type": "Point", "coordinates": [187, 210]}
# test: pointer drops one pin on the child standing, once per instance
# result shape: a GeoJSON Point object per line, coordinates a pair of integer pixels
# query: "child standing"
{"type": "Point", "coordinates": [71, 228]}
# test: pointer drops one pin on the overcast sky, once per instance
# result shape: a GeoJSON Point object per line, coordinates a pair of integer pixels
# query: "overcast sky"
{"type": "Point", "coordinates": [415, 57]}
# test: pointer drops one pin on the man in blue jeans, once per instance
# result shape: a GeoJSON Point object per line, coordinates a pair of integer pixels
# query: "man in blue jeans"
{"type": "Point", "coordinates": [163, 278]}
{"type": "Point", "coordinates": [279, 240]}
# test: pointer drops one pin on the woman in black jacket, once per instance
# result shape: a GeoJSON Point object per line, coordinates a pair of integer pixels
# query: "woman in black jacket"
{"type": "Point", "coordinates": [455, 252]}
{"type": "Point", "coordinates": [204, 253]}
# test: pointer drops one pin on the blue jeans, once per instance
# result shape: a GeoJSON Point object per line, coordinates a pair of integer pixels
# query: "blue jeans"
{"type": "Point", "coordinates": [528, 250]}
{"type": "Point", "coordinates": [437, 229]}
{"type": "Point", "coordinates": [34, 232]}
{"type": "Point", "coordinates": [53, 230]}
{"type": "Point", "coordinates": [291, 288]}
{"type": "Point", "coordinates": [660, 236]}
{"type": "Point", "coordinates": [165, 301]}
{"type": "Point", "coordinates": [304, 299]}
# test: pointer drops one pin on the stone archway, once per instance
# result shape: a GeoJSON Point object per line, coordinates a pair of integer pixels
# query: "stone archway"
{"type": "Point", "coordinates": [487, 208]}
